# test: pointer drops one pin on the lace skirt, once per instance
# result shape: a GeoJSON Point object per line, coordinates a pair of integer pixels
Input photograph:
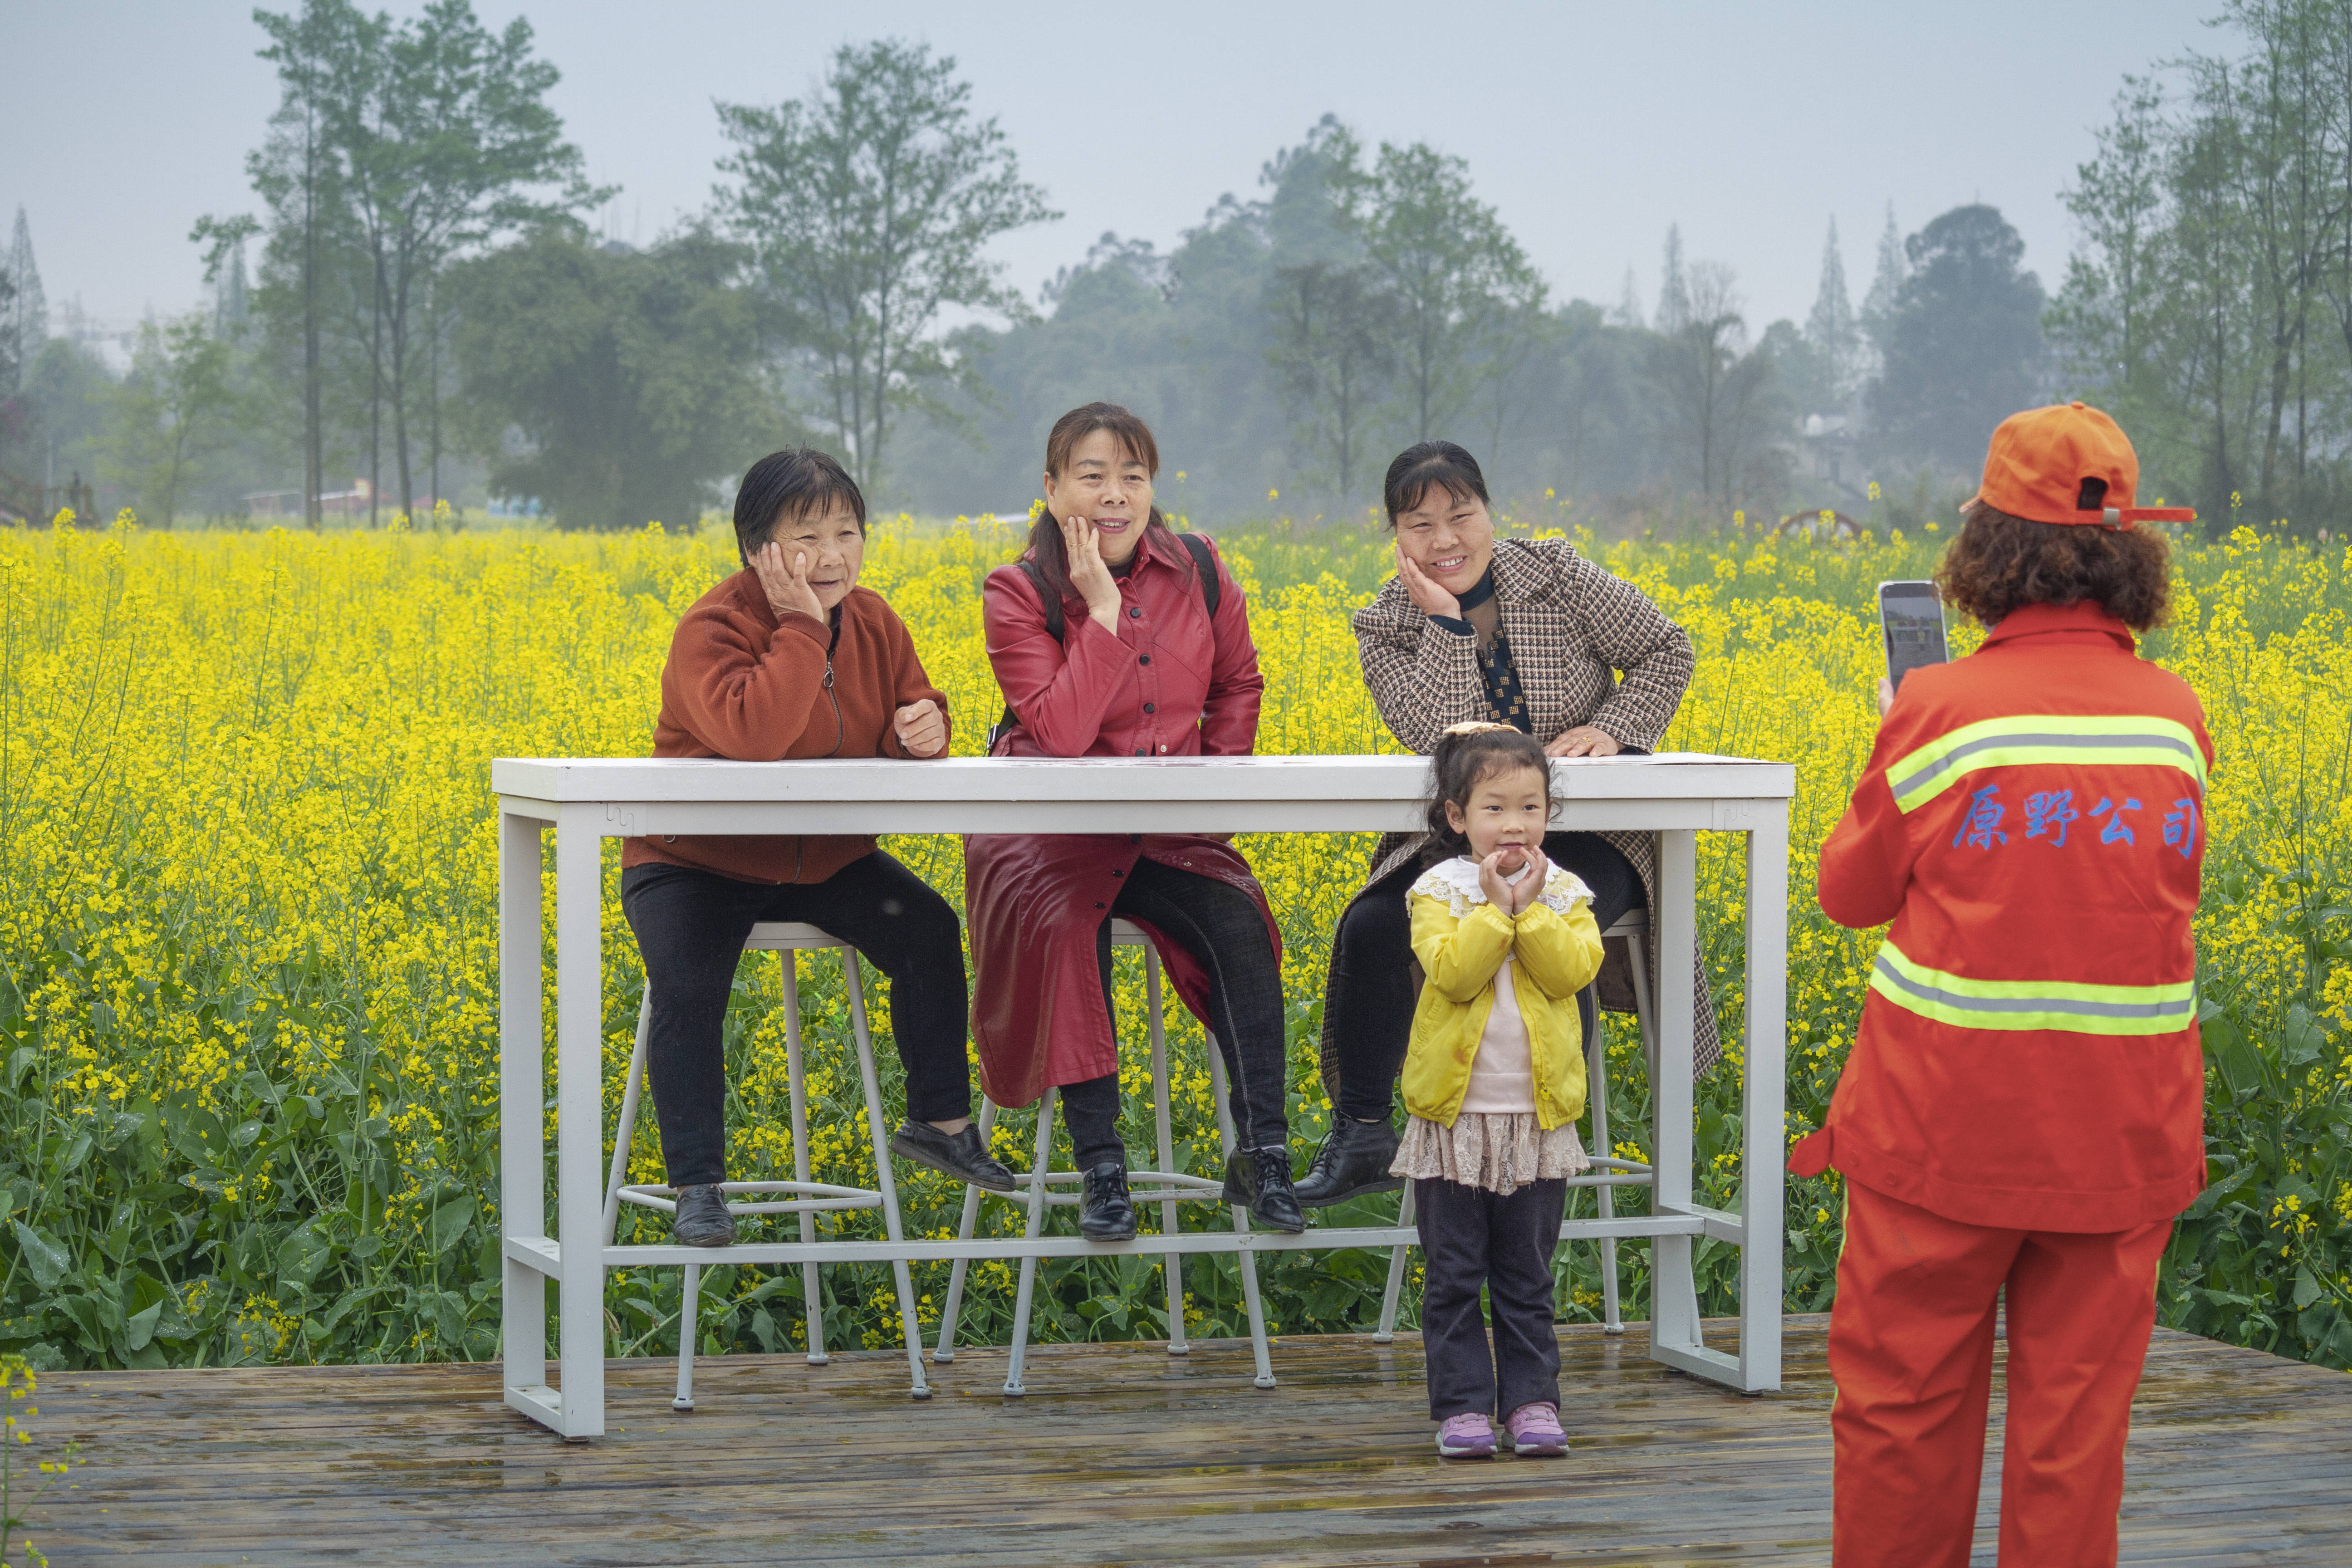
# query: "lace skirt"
{"type": "Point", "coordinates": [1495, 1154]}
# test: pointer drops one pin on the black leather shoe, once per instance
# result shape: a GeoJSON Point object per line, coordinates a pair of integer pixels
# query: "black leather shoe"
{"type": "Point", "coordinates": [1107, 1213]}
{"type": "Point", "coordinates": [1261, 1178]}
{"type": "Point", "coordinates": [1353, 1161]}
{"type": "Point", "coordinates": [957, 1155]}
{"type": "Point", "coordinates": [702, 1218]}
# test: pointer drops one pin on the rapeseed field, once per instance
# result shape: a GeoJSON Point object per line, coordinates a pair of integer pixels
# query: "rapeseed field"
{"type": "Point", "coordinates": [248, 919]}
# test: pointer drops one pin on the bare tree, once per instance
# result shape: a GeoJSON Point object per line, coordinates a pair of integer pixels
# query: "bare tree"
{"type": "Point", "coordinates": [1715, 392]}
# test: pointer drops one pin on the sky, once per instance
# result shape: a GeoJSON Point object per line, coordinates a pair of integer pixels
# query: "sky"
{"type": "Point", "coordinates": [1590, 127]}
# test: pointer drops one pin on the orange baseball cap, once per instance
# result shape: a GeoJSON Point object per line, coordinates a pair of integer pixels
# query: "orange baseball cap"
{"type": "Point", "coordinates": [2068, 463]}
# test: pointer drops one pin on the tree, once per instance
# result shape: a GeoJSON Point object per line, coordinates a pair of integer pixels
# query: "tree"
{"type": "Point", "coordinates": [1962, 345]}
{"type": "Point", "coordinates": [172, 411]}
{"type": "Point", "coordinates": [1454, 272]}
{"type": "Point", "coordinates": [867, 207]}
{"type": "Point", "coordinates": [1717, 395]}
{"type": "Point", "coordinates": [616, 386]}
{"type": "Point", "coordinates": [27, 307]}
{"type": "Point", "coordinates": [298, 175]}
{"type": "Point", "coordinates": [2099, 319]}
{"type": "Point", "coordinates": [1674, 289]}
{"type": "Point", "coordinates": [445, 136]}
{"type": "Point", "coordinates": [1886, 286]}
{"type": "Point", "coordinates": [1830, 329]}
{"type": "Point", "coordinates": [1334, 328]}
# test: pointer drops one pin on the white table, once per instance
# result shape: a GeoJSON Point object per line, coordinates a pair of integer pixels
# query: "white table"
{"type": "Point", "coordinates": [587, 801]}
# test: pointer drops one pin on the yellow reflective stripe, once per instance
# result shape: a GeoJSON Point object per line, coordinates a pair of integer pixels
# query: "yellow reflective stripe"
{"type": "Point", "coordinates": [2104, 739]}
{"type": "Point", "coordinates": [2081, 1008]}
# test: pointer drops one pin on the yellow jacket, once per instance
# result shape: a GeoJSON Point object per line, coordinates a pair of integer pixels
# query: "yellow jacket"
{"type": "Point", "coordinates": [1461, 940]}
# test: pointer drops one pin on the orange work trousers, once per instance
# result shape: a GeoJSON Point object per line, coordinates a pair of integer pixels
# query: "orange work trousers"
{"type": "Point", "coordinates": [1911, 1342]}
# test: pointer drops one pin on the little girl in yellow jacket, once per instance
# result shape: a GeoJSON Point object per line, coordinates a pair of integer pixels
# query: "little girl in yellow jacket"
{"type": "Point", "coordinates": [1494, 1081]}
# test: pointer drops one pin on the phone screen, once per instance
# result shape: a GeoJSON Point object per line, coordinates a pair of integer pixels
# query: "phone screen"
{"type": "Point", "coordinates": [1913, 619]}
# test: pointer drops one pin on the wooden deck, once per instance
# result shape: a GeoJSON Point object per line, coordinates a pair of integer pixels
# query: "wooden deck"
{"type": "Point", "coordinates": [1120, 1454]}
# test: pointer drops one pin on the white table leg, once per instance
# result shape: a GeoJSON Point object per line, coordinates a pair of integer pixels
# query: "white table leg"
{"type": "Point", "coordinates": [1673, 1300]}
{"type": "Point", "coordinates": [523, 1153]}
{"type": "Point", "coordinates": [1763, 1110]}
{"type": "Point", "coordinates": [579, 1115]}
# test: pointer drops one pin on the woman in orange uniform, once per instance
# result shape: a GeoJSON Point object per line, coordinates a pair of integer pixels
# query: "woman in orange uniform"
{"type": "Point", "coordinates": [2023, 1108]}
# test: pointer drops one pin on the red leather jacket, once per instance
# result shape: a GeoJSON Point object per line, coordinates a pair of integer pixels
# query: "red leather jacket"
{"type": "Point", "coordinates": [1169, 684]}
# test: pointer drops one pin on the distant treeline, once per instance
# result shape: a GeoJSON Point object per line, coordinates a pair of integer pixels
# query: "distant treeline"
{"type": "Point", "coordinates": [431, 316]}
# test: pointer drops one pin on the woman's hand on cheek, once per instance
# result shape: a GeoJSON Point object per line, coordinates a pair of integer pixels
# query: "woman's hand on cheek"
{"type": "Point", "coordinates": [1088, 575]}
{"type": "Point", "coordinates": [1426, 595]}
{"type": "Point", "coordinates": [786, 584]}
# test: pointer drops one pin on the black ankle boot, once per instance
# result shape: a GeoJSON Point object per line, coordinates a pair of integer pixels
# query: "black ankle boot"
{"type": "Point", "coordinates": [1107, 1213]}
{"type": "Point", "coordinates": [1353, 1161]}
{"type": "Point", "coordinates": [1261, 1178]}
{"type": "Point", "coordinates": [702, 1219]}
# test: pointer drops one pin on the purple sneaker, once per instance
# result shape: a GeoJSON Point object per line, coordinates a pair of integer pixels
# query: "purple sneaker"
{"type": "Point", "coordinates": [1470, 1436]}
{"type": "Point", "coordinates": [1535, 1432]}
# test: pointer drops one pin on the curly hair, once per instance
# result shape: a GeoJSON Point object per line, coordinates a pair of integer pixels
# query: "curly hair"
{"type": "Point", "coordinates": [2000, 562]}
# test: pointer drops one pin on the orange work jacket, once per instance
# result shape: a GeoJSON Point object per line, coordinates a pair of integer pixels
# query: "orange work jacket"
{"type": "Point", "coordinates": [2033, 821]}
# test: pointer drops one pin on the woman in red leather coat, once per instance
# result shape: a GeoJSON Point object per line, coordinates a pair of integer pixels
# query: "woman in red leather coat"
{"type": "Point", "coordinates": [1140, 668]}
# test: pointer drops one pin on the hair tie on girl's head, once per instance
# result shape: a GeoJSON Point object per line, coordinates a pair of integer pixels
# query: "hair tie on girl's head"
{"type": "Point", "coordinates": [1474, 727]}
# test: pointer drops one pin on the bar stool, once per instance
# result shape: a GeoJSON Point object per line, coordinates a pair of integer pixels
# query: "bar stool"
{"type": "Point", "coordinates": [787, 940]}
{"type": "Point", "coordinates": [1165, 1186]}
{"type": "Point", "coordinates": [1612, 1173]}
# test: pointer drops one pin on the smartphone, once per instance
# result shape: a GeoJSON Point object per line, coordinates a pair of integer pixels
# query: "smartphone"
{"type": "Point", "coordinates": [1912, 617]}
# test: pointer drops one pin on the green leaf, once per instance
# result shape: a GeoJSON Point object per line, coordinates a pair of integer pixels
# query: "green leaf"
{"type": "Point", "coordinates": [2303, 1039]}
{"type": "Point", "coordinates": [450, 1222]}
{"type": "Point", "coordinates": [2240, 1066]}
{"type": "Point", "coordinates": [2307, 1289]}
{"type": "Point", "coordinates": [302, 1254]}
{"type": "Point", "coordinates": [140, 1327]}
{"type": "Point", "coordinates": [48, 1260]}
{"type": "Point", "coordinates": [20, 1062]}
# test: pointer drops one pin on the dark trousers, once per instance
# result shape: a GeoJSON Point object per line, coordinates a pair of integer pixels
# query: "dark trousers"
{"type": "Point", "coordinates": [1223, 928]}
{"type": "Point", "coordinates": [1470, 1237]}
{"type": "Point", "coordinates": [1371, 967]}
{"type": "Point", "coordinates": [691, 926]}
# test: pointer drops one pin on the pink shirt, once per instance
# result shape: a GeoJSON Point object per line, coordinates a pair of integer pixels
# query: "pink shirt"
{"type": "Point", "coordinates": [1503, 1073]}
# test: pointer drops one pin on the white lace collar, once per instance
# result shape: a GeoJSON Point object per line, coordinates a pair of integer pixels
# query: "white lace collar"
{"type": "Point", "coordinates": [1456, 881]}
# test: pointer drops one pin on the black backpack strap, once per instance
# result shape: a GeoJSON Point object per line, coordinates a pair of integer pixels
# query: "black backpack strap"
{"type": "Point", "coordinates": [1212, 591]}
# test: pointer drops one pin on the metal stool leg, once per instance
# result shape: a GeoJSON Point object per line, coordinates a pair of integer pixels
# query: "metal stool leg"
{"type": "Point", "coordinates": [908, 1327]}
{"type": "Point", "coordinates": [789, 960]}
{"type": "Point", "coordinates": [1387, 1330]}
{"type": "Point", "coordinates": [1596, 1086]}
{"type": "Point", "coordinates": [1172, 1264]}
{"type": "Point", "coordinates": [1012, 1383]}
{"type": "Point", "coordinates": [688, 1301]}
{"type": "Point", "coordinates": [627, 1131]}
{"type": "Point", "coordinates": [954, 1308]}
{"type": "Point", "coordinates": [1246, 1259]}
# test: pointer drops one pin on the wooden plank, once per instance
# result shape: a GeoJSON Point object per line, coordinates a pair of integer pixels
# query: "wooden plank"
{"type": "Point", "coordinates": [1121, 1453]}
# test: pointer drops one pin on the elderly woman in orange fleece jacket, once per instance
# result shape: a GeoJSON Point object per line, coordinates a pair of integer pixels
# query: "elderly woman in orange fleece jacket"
{"type": "Point", "coordinates": [789, 658]}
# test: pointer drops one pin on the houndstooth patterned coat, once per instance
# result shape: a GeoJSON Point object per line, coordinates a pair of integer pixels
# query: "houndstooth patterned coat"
{"type": "Point", "coordinates": [1572, 627]}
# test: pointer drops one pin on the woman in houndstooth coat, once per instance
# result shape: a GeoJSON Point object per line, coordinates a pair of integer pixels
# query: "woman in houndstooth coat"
{"type": "Point", "coordinates": [1523, 632]}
